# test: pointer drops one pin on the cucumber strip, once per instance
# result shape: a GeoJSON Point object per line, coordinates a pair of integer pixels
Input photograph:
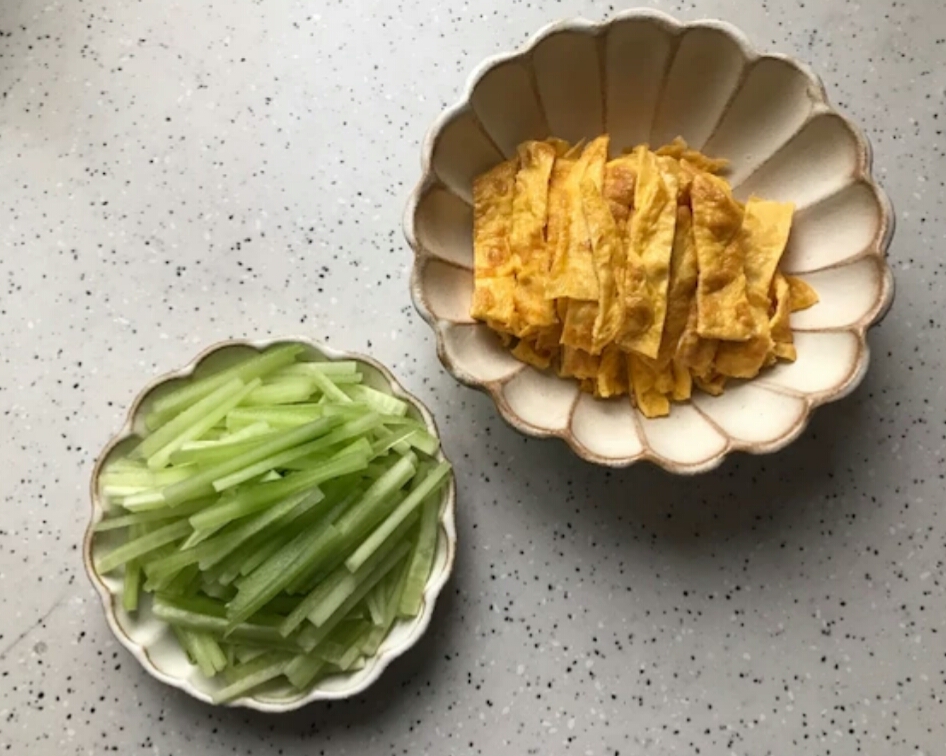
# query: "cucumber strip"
{"type": "Point", "coordinates": [263, 546]}
{"type": "Point", "coordinates": [334, 369]}
{"type": "Point", "coordinates": [259, 555]}
{"type": "Point", "coordinates": [193, 391]}
{"type": "Point", "coordinates": [394, 583]}
{"type": "Point", "coordinates": [245, 502]}
{"type": "Point", "coordinates": [373, 640]}
{"type": "Point", "coordinates": [335, 589]}
{"type": "Point", "coordinates": [342, 583]}
{"type": "Point", "coordinates": [219, 452]}
{"type": "Point", "coordinates": [214, 550]}
{"type": "Point", "coordinates": [202, 650]}
{"type": "Point", "coordinates": [361, 446]}
{"type": "Point", "coordinates": [146, 501]}
{"type": "Point", "coordinates": [388, 441]}
{"type": "Point", "coordinates": [170, 430]}
{"type": "Point", "coordinates": [295, 506]}
{"type": "Point", "coordinates": [213, 651]}
{"type": "Point", "coordinates": [138, 547]}
{"type": "Point", "coordinates": [142, 518]}
{"type": "Point", "coordinates": [431, 482]}
{"type": "Point", "coordinates": [365, 513]}
{"type": "Point", "coordinates": [275, 417]}
{"type": "Point", "coordinates": [336, 467]}
{"type": "Point", "coordinates": [246, 654]}
{"type": "Point", "coordinates": [304, 552]}
{"type": "Point", "coordinates": [422, 559]}
{"type": "Point", "coordinates": [247, 432]}
{"type": "Point", "coordinates": [339, 379]}
{"type": "Point", "coordinates": [329, 390]}
{"type": "Point", "coordinates": [342, 433]}
{"type": "Point", "coordinates": [355, 409]}
{"type": "Point", "coordinates": [344, 644]}
{"type": "Point", "coordinates": [120, 492]}
{"type": "Point", "coordinates": [377, 400]}
{"type": "Point", "coordinates": [182, 613]}
{"type": "Point", "coordinates": [123, 464]}
{"type": "Point", "coordinates": [376, 600]}
{"type": "Point", "coordinates": [280, 605]}
{"type": "Point", "coordinates": [184, 584]}
{"type": "Point", "coordinates": [301, 581]}
{"type": "Point", "coordinates": [131, 586]}
{"type": "Point", "coordinates": [424, 442]}
{"type": "Point", "coordinates": [311, 636]}
{"type": "Point", "coordinates": [303, 669]}
{"type": "Point", "coordinates": [201, 483]}
{"type": "Point", "coordinates": [406, 421]}
{"type": "Point", "coordinates": [142, 477]}
{"type": "Point", "coordinates": [263, 669]}
{"type": "Point", "coordinates": [185, 638]}
{"type": "Point", "coordinates": [264, 466]}
{"type": "Point", "coordinates": [215, 590]}
{"type": "Point", "coordinates": [287, 390]}
{"type": "Point", "coordinates": [209, 418]}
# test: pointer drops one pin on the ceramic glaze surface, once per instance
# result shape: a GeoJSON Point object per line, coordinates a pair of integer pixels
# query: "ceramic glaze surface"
{"type": "Point", "coordinates": [644, 77]}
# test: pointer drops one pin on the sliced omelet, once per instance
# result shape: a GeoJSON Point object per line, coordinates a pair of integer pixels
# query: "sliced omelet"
{"type": "Point", "coordinates": [722, 302]}
{"type": "Point", "coordinates": [620, 178]}
{"type": "Point", "coordinates": [577, 363]}
{"type": "Point", "coordinates": [803, 295]}
{"type": "Point", "coordinates": [580, 274]}
{"type": "Point", "coordinates": [647, 396]}
{"type": "Point", "coordinates": [779, 325]}
{"type": "Point", "coordinates": [528, 351]}
{"type": "Point", "coordinates": [527, 237]}
{"type": "Point", "coordinates": [679, 150]}
{"type": "Point", "coordinates": [608, 250]}
{"type": "Point", "coordinates": [694, 352]}
{"type": "Point", "coordinates": [494, 263]}
{"type": "Point", "coordinates": [572, 274]}
{"type": "Point", "coordinates": [682, 285]}
{"type": "Point", "coordinates": [765, 229]}
{"type": "Point", "coordinates": [612, 373]}
{"type": "Point", "coordinates": [650, 235]}
{"type": "Point", "coordinates": [639, 275]}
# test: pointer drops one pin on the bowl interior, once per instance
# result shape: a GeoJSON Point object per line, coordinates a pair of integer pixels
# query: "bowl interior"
{"type": "Point", "coordinates": [151, 640]}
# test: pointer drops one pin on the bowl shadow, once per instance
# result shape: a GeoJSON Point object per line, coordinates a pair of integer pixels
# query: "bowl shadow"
{"type": "Point", "coordinates": [755, 497]}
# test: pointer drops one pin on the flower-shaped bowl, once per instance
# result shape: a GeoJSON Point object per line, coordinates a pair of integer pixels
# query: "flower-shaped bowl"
{"type": "Point", "coordinates": [645, 77]}
{"type": "Point", "coordinates": [152, 642]}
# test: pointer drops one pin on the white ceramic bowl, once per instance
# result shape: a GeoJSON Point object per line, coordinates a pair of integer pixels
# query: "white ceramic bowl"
{"type": "Point", "coordinates": [645, 77]}
{"type": "Point", "coordinates": [151, 641]}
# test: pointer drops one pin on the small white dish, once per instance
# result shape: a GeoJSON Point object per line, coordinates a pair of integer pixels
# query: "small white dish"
{"type": "Point", "coordinates": [152, 642]}
{"type": "Point", "coordinates": [645, 77]}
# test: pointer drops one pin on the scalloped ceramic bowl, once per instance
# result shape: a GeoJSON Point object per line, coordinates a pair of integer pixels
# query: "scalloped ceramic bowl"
{"type": "Point", "coordinates": [644, 77]}
{"type": "Point", "coordinates": [151, 641]}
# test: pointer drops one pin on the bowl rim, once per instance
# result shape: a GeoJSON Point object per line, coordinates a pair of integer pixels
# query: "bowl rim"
{"type": "Point", "coordinates": [862, 174]}
{"type": "Point", "coordinates": [432, 590]}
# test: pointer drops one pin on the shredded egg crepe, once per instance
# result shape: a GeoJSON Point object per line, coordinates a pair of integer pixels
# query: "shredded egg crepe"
{"type": "Point", "coordinates": [640, 275]}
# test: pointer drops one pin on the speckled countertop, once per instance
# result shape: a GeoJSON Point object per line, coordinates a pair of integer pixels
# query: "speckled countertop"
{"type": "Point", "coordinates": [175, 174]}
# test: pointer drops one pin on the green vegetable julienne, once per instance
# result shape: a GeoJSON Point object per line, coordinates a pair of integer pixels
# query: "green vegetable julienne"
{"type": "Point", "coordinates": [281, 515]}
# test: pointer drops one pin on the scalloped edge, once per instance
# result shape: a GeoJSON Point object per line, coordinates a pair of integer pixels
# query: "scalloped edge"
{"type": "Point", "coordinates": [863, 172]}
{"type": "Point", "coordinates": [435, 583]}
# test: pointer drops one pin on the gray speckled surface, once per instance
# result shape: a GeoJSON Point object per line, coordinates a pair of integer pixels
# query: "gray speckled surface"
{"type": "Point", "coordinates": [171, 176]}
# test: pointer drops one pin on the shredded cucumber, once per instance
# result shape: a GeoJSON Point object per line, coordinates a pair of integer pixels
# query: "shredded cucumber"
{"type": "Point", "coordinates": [280, 516]}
